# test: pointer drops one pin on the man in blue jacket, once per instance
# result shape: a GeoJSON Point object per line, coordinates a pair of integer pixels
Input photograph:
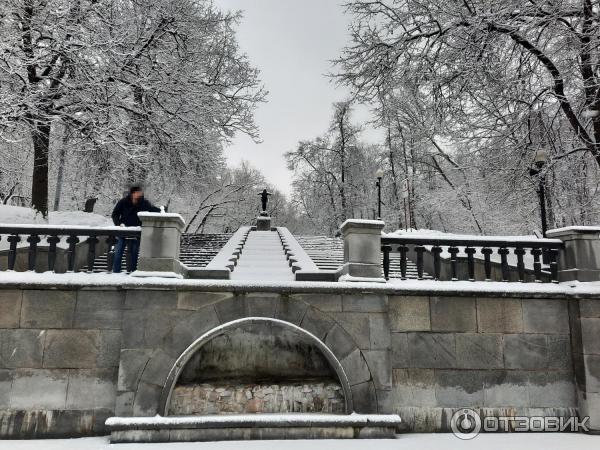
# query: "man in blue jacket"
{"type": "Point", "coordinates": [126, 214]}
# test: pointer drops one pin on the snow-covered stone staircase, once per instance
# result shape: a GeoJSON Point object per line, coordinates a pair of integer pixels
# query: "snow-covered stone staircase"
{"type": "Point", "coordinates": [263, 259]}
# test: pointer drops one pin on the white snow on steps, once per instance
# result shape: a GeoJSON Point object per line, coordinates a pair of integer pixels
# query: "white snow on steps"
{"type": "Point", "coordinates": [263, 259]}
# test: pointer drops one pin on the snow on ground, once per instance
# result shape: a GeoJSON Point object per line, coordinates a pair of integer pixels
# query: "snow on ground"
{"type": "Point", "coordinates": [17, 215]}
{"type": "Point", "coordinates": [491, 441]}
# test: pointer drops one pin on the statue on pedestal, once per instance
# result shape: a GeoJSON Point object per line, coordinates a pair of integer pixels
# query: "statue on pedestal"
{"type": "Point", "coordinates": [264, 199]}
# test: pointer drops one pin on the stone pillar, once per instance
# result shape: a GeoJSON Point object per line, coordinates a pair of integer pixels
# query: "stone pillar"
{"type": "Point", "coordinates": [159, 246]}
{"type": "Point", "coordinates": [580, 258]}
{"type": "Point", "coordinates": [362, 250]}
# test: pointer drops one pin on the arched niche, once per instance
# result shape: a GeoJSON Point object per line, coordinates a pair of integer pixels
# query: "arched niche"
{"type": "Point", "coordinates": [256, 351]}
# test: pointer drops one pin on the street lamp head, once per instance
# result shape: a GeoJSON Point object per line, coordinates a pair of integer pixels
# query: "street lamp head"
{"type": "Point", "coordinates": [379, 173]}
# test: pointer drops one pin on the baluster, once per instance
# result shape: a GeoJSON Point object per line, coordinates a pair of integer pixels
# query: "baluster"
{"type": "Point", "coordinates": [33, 242]}
{"type": "Point", "coordinates": [470, 251]}
{"type": "Point", "coordinates": [487, 264]}
{"type": "Point", "coordinates": [537, 265]}
{"type": "Point", "coordinates": [91, 256]}
{"type": "Point", "coordinates": [110, 255]}
{"type": "Point", "coordinates": [72, 241]}
{"type": "Point", "coordinates": [503, 252]}
{"type": "Point", "coordinates": [12, 251]}
{"type": "Point", "coordinates": [436, 250]}
{"type": "Point", "coordinates": [520, 251]}
{"type": "Point", "coordinates": [453, 262]}
{"type": "Point", "coordinates": [553, 257]}
{"type": "Point", "coordinates": [52, 240]}
{"type": "Point", "coordinates": [386, 261]}
{"type": "Point", "coordinates": [403, 249]}
{"type": "Point", "coordinates": [419, 249]}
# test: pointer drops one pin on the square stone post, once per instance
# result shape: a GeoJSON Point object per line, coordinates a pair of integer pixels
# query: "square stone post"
{"type": "Point", "coordinates": [362, 250]}
{"type": "Point", "coordinates": [580, 258]}
{"type": "Point", "coordinates": [159, 246]}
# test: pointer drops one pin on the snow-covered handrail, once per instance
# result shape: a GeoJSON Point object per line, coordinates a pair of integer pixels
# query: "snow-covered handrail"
{"type": "Point", "coordinates": [469, 246]}
{"type": "Point", "coordinates": [296, 255]}
{"type": "Point", "coordinates": [230, 253]}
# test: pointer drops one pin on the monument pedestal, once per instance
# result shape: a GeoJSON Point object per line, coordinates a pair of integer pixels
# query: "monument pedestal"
{"type": "Point", "coordinates": [263, 222]}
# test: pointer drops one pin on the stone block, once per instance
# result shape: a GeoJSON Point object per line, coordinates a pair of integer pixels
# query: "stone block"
{"type": "Point", "coordinates": [322, 302]}
{"type": "Point", "coordinates": [147, 329]}
{"type": "Point", "coordinates": [194, 300]}
{"type": "Point", "coordinates": [232, 309]}
{"type": "Point", "coordinates": [357, 325]}
{"type": "Point", "coordinates": [356, 368]}
{"type": "Point", "coordinates": [6, 378]}
{"type": "Point", "coordinates": [81, 349]}
{"type": "Point", "coordinates": [21, 348]}
{"type": "Point", "coordinates": [432, 350]}
{"type": "Point", "coordinates": [552, 389]}
{"type": "Point", "coordinates": [499, 315]}
{"type": "Point", "coordinates": [592, 373]}
{"type": "Point", "coordinates": [39, 389]}
{"type": "Point", "coordinates": [380, 366]}
{"type": "Point", "coordinates": [92, 389]}
{"type": "Point", "coordinates": [64, 349]}
{"type": "Point", "coordinates": [151, 299]}
{"type": "Point", "coordinates": [559, 352]}
{"type": "Point", "coordinates": [525, 351]}
{"type": "Point", "coordinates": [400, 350]}
{"type": "Point", "coordinates": [590, 336]}
{"type": "Point", "coordinates": [97, 309]}
{"type": "Point", "coordinates": [132, 363]}
{"type": "Point", "coordinates": [479, 351]}
{"type": "Point", "coordinates": [589, 308]}
{"type": "Point", "coordinates": [10, 308]}
{"type": "Point", "coordinates": [409, 313]}
{"type": "Point", "coordinates": [147, 399]}
{"type": "Point", "coordinates": [109, 348]}
{"type": "Point", "coordinates": [290, 310]}
{"type": "Point", "coordinates": [318, 323]}
{"type": "Point", "coordinates": [339, 342]}
{"type": "Point", "coordinates": [48, 309]}
{"type": "Point", "coordinates": [453, 314]}
{"type": "Point", "coordinates": [379, 326]}
{"type": "Point", "coordinates": [262, 304]}
{"type": "Point", "coordinates": [591, 408]}
{"type": "Point", "coordinates": [414, 387]}
{"type": "Point", "coordinates": [186, 330]}
{"type": "Point", "coordinates": [364, 398]}
{"type": "Point", "coordinates": [365, 303]}
{"type": "Point", "coordinates": [124, 404]}
{"type": "Point", "coordinates": [545, 316]}
{"type": "Point", "coordinates": [459, 388]}
{"type": "Point", "coordinates": [506, 388]}
{"type": "Point", "coordinates": [158, 368]}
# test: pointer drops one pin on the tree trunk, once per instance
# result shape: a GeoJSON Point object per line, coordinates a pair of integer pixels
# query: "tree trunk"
{"type": "Point", "coordinates": [39, 183]}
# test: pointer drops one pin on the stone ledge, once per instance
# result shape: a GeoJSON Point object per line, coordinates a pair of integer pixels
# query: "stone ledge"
{"type": "Point", "coordinates": [252, 426]}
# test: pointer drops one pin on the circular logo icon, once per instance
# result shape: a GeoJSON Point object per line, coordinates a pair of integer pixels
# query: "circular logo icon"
{"type": "Point", "coordinates": [465, 424]}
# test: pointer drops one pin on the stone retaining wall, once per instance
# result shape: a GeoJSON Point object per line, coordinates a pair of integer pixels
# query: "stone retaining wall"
{"type": "Point", "coordinates": [71, 357]}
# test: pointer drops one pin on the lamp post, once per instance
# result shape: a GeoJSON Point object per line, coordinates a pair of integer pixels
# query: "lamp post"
{"type": "Point", "coordinates": [537, 170]}
{"type": "Point", "coordinates": [379, 175]}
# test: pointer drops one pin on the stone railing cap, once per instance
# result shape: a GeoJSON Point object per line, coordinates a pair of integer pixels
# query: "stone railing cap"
{"type": "Point", "coordinates": [161, 217]}
{"type": "Point", "coordinates": [573, 230]}
{"type": "Point", "coordinates": [362, 224]}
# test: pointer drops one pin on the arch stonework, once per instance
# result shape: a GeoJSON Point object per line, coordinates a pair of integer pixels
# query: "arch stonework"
{"type": "Point", "coordinates": [205, 338]}
{"type": "Point", "coordinates": [209, 312]}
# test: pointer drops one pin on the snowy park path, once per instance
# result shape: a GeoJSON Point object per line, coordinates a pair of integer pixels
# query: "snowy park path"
{"type": "Point", "coordinates": [262, 259]}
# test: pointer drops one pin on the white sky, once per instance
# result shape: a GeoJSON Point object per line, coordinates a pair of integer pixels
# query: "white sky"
{"type": "Point", "coordinates": [292, 43]}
